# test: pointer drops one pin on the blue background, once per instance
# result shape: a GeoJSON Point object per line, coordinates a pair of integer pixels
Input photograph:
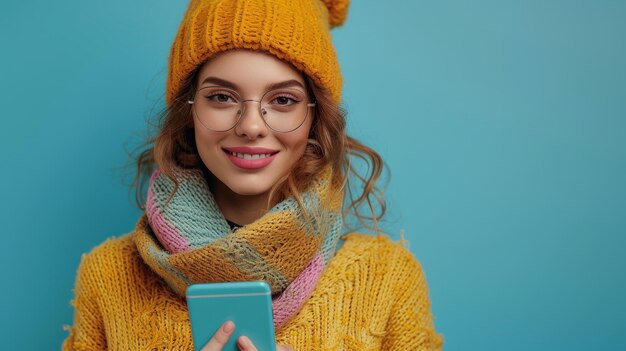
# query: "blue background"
{"type": "Point", "coordinates": [503, 124]}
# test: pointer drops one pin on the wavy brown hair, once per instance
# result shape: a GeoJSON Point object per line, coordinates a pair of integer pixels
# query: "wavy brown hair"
{"type": "Point", "coordinates": [174, 146]}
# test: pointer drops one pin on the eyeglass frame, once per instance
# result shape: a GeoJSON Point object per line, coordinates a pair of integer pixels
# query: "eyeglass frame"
{"type": "Point", "coordinates": [192, 102]}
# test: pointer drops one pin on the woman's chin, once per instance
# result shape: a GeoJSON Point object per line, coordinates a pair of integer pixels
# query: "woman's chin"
{"type": "Point", "coordinates": [249, 189]}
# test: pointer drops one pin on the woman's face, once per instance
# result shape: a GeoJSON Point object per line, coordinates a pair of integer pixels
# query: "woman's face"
{"type": "Point", "coordinates": [249, 171]}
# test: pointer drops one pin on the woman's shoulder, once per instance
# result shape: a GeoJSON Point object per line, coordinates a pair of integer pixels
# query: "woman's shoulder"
{"type": "Point", "coordinates": [378, 249]}
{"type": "Point", "coordinates": [114, 254]}
{"type": "Point", "coordinates": [113, 247]}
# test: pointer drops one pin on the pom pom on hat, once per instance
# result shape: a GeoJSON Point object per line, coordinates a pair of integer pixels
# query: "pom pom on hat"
{"type": "Point", "coordinates": [337, 11]}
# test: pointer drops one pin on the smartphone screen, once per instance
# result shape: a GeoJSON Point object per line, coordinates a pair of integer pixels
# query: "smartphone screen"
{"type": "Point", "coordinates": [247, 304]}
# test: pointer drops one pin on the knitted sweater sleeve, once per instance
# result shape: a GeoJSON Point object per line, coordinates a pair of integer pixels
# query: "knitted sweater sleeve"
{"type": "Point", "coordinates": [88, 332]}
{"type": "Point", "coordinates": [410, 325]}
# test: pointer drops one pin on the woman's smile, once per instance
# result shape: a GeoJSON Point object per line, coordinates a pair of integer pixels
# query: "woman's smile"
{"type": "Point", "coordinates": [250, 157]}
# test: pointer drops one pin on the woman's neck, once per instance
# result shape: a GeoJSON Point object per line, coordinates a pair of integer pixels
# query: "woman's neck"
{"type": "Point", "coordinates": [240, 209]}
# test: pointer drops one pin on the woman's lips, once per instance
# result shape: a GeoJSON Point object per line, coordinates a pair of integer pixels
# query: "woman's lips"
{"type": "Point", "coordinates": [254, 158]}
{"type": "Point", "coordinates": [250, 150]}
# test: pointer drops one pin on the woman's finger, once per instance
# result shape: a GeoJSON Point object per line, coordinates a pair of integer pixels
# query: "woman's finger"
{"type": "Point", "coordinates": [220, 338]}
{"type": "Point", "coordinates": [245, 344]}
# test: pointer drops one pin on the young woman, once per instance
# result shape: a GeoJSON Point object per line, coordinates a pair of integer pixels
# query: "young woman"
{"type": "Point", "coordinates": [248, 180]}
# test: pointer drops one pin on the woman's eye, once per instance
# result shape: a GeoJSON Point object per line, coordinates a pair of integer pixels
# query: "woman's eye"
{"type": "Point", "coordinates": [219, 97]}
{"type": "Point", "coordinates": [284, 100]}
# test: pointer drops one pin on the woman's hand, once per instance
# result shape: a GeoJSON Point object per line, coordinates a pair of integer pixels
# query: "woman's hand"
{"type": "Point", "coordinates": [220, 338]}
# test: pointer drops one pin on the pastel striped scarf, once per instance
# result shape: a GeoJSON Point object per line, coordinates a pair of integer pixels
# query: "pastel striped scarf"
{"type": "Point", "coordinates": [189, 241]}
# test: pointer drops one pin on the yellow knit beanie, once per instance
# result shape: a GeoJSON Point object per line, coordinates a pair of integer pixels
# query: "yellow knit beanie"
{"type": "Point", "coordinates": [297, 31]}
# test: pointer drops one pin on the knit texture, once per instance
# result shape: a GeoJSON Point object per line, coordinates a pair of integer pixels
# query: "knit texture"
{"type": "Point", "coordinates": [372, 296]}
{"type": "Point", "coordinates": [296, 31]}
{"type": "Point", "coordinates": [189, 240]}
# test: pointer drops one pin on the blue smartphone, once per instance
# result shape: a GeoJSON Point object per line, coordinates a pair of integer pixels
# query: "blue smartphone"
{"type": "Point", "coordinates": [247, 304]}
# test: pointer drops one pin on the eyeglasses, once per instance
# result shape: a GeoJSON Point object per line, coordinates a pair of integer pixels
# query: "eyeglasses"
{"type": "Point", "coordinates": [220, 109]}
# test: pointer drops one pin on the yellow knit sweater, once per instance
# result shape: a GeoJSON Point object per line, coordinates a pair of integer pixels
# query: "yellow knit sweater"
{"type": "Point", "coordinates": [372, 296]}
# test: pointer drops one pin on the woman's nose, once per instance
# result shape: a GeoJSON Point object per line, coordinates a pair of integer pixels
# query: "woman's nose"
{"type": "Point", "coordinates": [251, 123]}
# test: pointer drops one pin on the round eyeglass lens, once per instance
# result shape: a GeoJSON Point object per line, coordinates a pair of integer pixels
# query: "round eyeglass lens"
{"type": "Point", "coordinates": [217, 108]}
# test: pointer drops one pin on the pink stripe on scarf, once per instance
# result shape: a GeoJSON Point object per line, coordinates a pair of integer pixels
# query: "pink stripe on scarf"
{"type": "Point", "coordinates": [167, 234]}
{"type": "Point", "coordinates": [289, 301]}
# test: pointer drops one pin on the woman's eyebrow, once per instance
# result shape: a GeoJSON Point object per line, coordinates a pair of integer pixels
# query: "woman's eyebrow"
{"type": "Point", "coordinates": [269, 86]}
